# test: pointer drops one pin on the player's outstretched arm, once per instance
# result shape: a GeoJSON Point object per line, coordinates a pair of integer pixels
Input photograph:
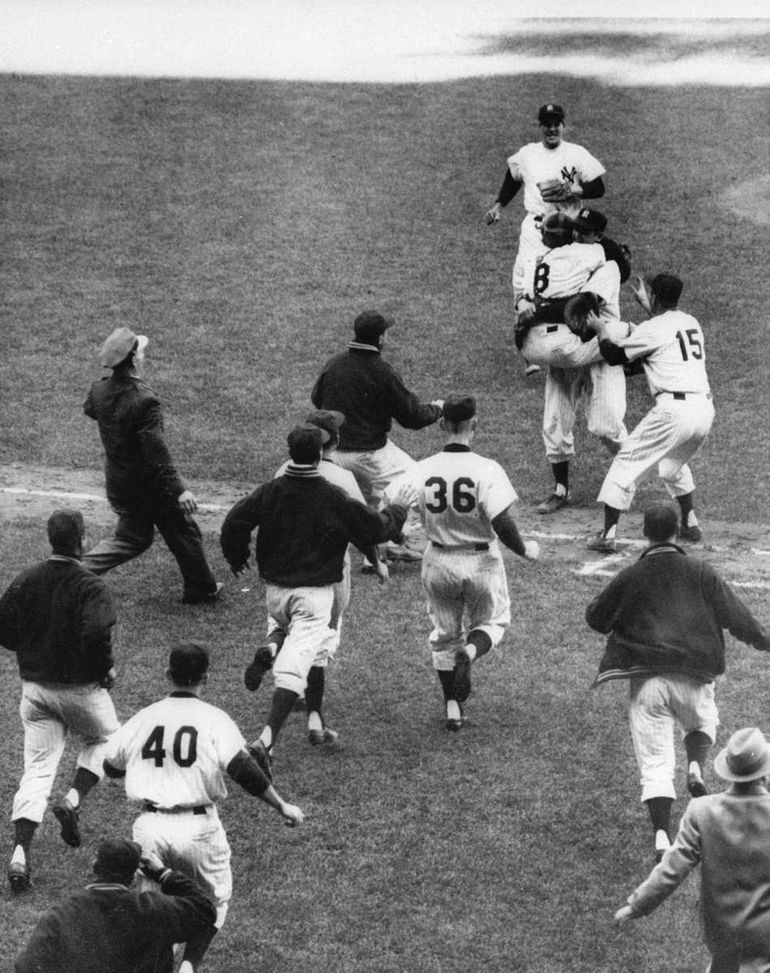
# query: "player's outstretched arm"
{"type": "Point", "coordinates": [508, 190]}
{"type": "Point", "coordinates": [624, 915]}
{"type": "Point", "coordinates": [505, 527]}
{"type": "Point", "coordinates": [246, 772]}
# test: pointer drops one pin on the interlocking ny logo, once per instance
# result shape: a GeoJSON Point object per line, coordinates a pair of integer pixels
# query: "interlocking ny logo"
{"type": "Point", "coordinates": [569, 174]}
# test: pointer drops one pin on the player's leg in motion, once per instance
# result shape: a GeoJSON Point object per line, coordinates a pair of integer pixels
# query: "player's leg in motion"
{"type": "Point", "coordinates": [264, 656]}
{"type": "Point", "coordinates": [694, 705]}
{"type": "Point", "coordinates": [318, 731]}
{"type": "Point", "coordinates": [304, 614]}
{"type": "Point", "coordinates": [488, 608]}
{"type": "Point", "coordinates": [442, 583]}
{"type": "Point", "coordinates": [652, 730]}
{"type": "Point", "coordinates": [694, 426]}
{"type": "Point", "coordinates": [606, 406]}
{"type": "Point", "coordinates": [563, 389]}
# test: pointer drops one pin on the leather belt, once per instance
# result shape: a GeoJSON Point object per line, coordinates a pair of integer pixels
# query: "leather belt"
{"type": "Point", "coordinates": [198, 809]}
{"type": "Point", "coordinates": [461, 547]}
{"type": "Point", "coordinates": [681, 396]}
{"type": "Point", "coordinates": [551, 328]}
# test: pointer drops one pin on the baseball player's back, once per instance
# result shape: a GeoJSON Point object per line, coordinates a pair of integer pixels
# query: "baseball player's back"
{"type": "Point", "coordinates": [673, 351]}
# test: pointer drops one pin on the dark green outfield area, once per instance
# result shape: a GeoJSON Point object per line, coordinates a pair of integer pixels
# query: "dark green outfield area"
{"type": "Point", "coordinates": [242, 225]}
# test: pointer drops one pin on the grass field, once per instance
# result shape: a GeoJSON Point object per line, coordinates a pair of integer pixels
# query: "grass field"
{"type": "Point", "coordinates": [242, 226]}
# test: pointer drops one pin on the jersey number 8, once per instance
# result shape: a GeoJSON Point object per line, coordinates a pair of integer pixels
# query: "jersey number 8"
{"type": "Point", "coordinates": [184, 749]}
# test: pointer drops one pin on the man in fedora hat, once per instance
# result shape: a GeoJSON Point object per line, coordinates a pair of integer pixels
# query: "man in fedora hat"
{"type": "Point", "coordinates": [727, 834]}
{"type": "Point", "coordinates": [110, 927]}
{"type": "Point", "coordinates": [665, 617]}
{"type": "Point", "coordinates": [143, 485]}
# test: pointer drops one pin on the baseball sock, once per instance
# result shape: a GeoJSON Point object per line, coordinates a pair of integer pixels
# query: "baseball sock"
{"type": "Point", "coordinates": [659, 809]}
{"type": "Point", "coordinates": [281, 706]}
{"type": "Point", "coordinates": [446, 677]}
{"type": "Point", "coordinates": [697, 745]}
{"type": "Point", "coordinates": [478, 643]}
{"type": "Point", "coordinates": [688, 514]}
{"type": "Point", "coordinates": [561, 476]}
{"type": "Point", "coordinates": [314, 694]}
{"type": "Point", "coordinates": [275, 640]}
{"type": "Point", "coordinates": [24, 831]}
{"type": "Point", "coordinates": [611, 518]}
{"type": "Point", "coordinates": [84, 782]}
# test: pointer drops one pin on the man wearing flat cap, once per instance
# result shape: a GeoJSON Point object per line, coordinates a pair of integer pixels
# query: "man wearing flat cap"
{"type": "Point", "coordinates": [369, 392]}
{"type": "Point", "coordinates": [58, 619]}
{"type": "Point", "coordinates": [664, 617]}
{"type": "Point", "coordinates": [727, 835]}
{"type": "Point", "coordinates": [556, 176]}
{"type": "Point", "coordinates": [304, 524]}
{"type": "Point", "coordinates": [143, 485]}
{"type": "Point", "coordinates": [672, 351]}
{"type": "Point", "coordinates": [465, 502]}
{"type": "Point", "coordinates": [110, 927]}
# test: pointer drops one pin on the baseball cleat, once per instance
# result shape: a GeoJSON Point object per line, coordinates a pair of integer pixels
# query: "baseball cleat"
{"type": "Point", "coordinates": [662, 844]}
{"type": "Point", "coordinates": [325, 735]}
{"type": "Point", "coordinates": [693, 533]}
{"type": "Point", "coordinates": [69, 821]}
{"type": "Point", "coordinates": [695, 784]}
{"type": "Point", "coordinates": [461, 687]}
{"type": "Point", "coordinates": [19, 877]}
{"type": "Point", "coordinates": [602, 544]}
{"type": "Point", "coordinates": [553, 503]}
{"type": "Point", "coordinates": [207, 596]}
{"type": "Point", "coordinates": [400, 552]}
{"type": "Point", "coordinates": [254, 674]}
{"type": "Point", "coordinates": [260, 753]}
{"type": "Point", "coordinates": [532, 370]}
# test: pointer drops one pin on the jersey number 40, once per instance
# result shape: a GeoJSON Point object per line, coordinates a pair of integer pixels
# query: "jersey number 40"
{"type": "Point", "coordinates": [184, 748]}
{"type": "Point", "coordinates": [462, 495]}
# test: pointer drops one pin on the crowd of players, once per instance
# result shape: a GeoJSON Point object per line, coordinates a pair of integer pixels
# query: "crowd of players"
{"type": "Point", "coordinates": [346, 482]}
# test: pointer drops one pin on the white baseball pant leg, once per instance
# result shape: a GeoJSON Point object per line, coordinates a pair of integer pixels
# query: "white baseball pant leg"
{"type": "Point", "coordinates": [460, 583]}
{"type": "Point", "coordinates": [328, 650]}
{"type": "Point", "coordinates": [656, 706]}
{"type": "Point", "coordinates": [554, 344]}
{"type": "Point", "coordinates": [375, 470]}
{"type": "Point", "coordinates": [665, 439]}
{"type": "Point", "coordinates": [194, 844]}
{"type": "Point", "coordinates": [605, 281]}
{"type": "Point", "coordinates": [304, 614]}
{"type": "Point", "coordinates": [606, 405]}
{"type": "Point", "coordinates": [49, 712]}
{"type": "Point", "coordinates": [530, 246]}
{"type": "Point", "coordinates": [563, 390]}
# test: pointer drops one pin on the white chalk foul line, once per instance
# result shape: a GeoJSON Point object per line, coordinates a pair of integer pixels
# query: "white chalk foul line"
{"type": "Point", "coordinates": [94, 497]}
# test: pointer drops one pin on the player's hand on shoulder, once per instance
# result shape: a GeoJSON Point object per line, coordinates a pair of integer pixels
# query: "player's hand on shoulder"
{"type": "Point", "coordinates": [532, 550]}
{"type": "Point", "coordinates": [525, 309]}
{"type": "Point", "coordinates": [187, 502]}
{"type": "Point", "coordinates": [292, 815]}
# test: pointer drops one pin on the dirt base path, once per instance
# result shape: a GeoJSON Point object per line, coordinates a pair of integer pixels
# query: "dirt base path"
{"type": "Point", "coordinates": [740, 551]}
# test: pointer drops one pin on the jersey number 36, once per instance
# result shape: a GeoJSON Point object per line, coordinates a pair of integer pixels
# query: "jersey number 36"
{"type": "Point", "coordinates": [462, 495]}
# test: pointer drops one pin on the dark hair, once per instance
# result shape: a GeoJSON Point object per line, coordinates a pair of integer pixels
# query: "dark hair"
{"type": "Point", "coordinates": [660, 523]}
{"type": "Point", "coordinates": [65, 531]}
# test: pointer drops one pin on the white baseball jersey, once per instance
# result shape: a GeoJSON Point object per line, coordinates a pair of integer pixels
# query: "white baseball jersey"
{"type": "Point", "coordinates": [673, 350]}
{"type": "Point", "coordinates": [535, 163]}
{"type": "Point", "coordinates": [458, 494]}
{"type": "Point", "coordinates": [562, 271]}
{"type": "Point", "coordinates": [175, 751]}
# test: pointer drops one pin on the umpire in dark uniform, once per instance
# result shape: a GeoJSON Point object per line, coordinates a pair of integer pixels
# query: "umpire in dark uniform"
{"type": "Point", "coordinates": [143, 485]}
{"type": "Point", "coordinates": [108, 927]}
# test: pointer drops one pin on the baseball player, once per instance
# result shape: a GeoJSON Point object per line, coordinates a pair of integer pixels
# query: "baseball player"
{"type": "Point", "coordinates": [368, 391]}
{"type": "Point", "coordinates": [465, 502]}
{"type": "Point", "coordinates": [304, 526]}
{"type": "Point", "coordinates": [58, 619]}
{"type": "Point", "coordinates": [173, 755]}
{"type": "Point", "coordinates": [576, 368]}
{"type": "Point", "coordinates": [664, 617]}
{"type": "Point", "coordinates": [329, 423]}
{"type": "Point", "coordinates": [556, 176]}
{"type": "Point", "coordinates": [672, 351]}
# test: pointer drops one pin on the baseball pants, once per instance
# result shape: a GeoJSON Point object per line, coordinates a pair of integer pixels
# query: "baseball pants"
{"type": "Point", "coordinates": [134, 534]}
{"type": "Point", "coordinates": [462, 584]}
{"type": "Point", "coordinates": [305, 615]}
{"type": "Point", "coordinates": [194, 844]}
{"type": "Point", "coordinates": [658, 704]}
{"type": "Point", "coordinates": [666, 438]}
{"type": "Point", "coordinates": [375, 470]}
{"type": "Point", "coordinates": [49, 712]}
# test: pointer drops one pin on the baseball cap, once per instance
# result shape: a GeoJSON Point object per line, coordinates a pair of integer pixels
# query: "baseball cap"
{"type": "Point", "coordinates": [65, 529]}
{"type": "Point", "coordinates": [117, 857]}
{"type": "Point", "coordinates": [369, 325]}
{"type": "Point", "coordinates": [188, 663]}
{"type": "Point", "coordinates": [660, 522]}
{"type": "Point", "coordinates": [119, 346]}
{"type": "Point", "coordinates": [459, 408]}
{"type": "Point", "coordinates": [328, 422]}
{"type": "Point", "coordinates": [667, 288]}
{"type": "Point", "coordinates": [549, 111]}
{"type": "Point", "coordinates": [746, 756]}
{"type": "Point", "coordinates": [305, 443]}
{"type": "Point", "coordinates": [558, 225]}
{"type": "Point", "coordinates": [591, 220]}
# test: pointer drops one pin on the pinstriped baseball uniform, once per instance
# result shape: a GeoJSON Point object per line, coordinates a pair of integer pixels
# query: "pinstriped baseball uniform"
{"type": "Point", "coordinates": [174, 753]}
{"type": "Point", "coordinates": [458, 494]}
{"type": "Point", "coordinates": [535, 163]}
{"type": "Point", "coordinates": [672, 349]}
